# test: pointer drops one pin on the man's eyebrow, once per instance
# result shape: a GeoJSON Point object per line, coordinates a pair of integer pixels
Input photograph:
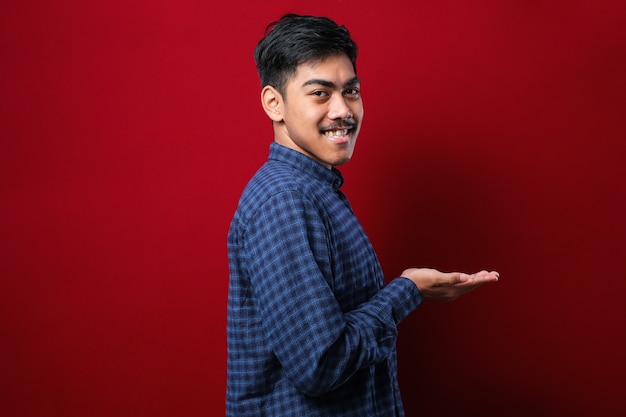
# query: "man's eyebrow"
{"type": "Point", "coordinates": [352, 81]}
{"type": "Point", "coordinates": [324, 83]}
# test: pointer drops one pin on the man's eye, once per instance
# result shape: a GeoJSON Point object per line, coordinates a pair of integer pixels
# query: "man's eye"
{"type": "Point", "coordinates": [319, 93]}
{"type": "Point", "coordinates": [352, 91]}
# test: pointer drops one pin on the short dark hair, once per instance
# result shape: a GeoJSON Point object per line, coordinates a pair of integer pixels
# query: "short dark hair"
{"type": "Point", "coordinates": [296, 39]}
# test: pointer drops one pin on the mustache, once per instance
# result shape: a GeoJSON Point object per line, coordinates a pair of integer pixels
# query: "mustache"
{"type": "Point", "coordinates": [341, 124]}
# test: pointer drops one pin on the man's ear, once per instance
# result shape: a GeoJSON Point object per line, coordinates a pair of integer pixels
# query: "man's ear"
{"type": "Point", "coordinates": [272, 103]}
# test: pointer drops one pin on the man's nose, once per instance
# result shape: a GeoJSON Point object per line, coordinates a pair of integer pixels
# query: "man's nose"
{"type": "Point", "coordinates": [339, 108]}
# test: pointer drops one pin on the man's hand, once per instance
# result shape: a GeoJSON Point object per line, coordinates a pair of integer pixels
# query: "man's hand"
{"type": "Point", "coordinates": [447, 286]}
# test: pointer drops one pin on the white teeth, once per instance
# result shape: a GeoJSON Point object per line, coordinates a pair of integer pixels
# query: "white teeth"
{"type": "Point", "coordinates": [336, 133]}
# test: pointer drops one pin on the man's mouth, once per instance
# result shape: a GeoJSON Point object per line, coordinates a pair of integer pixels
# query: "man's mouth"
{"type": "Point", "coordinates": [334, 134]}
{"type": "Point", "coordinates": [339, 130]}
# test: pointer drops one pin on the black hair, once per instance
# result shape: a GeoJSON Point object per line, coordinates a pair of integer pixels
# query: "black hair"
{"type": "Point", "coordinates": [296, 39]}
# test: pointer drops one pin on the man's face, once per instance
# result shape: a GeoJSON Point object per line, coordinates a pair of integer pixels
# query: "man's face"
{"type": "Point", "coordinates": [322, 110]}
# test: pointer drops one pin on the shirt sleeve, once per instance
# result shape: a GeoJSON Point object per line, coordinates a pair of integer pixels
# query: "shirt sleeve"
{"type": "Point", "coordinates": [319, 346]}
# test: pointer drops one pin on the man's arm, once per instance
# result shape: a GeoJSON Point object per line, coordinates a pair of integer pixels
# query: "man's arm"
{"type": "Point", "coordinates": [318, 345]}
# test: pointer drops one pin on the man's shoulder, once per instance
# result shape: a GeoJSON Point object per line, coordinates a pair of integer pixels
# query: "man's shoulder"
{"type": "Point", "coordinates": [273, 187]}
{"type": "Point", "coordinates": [272, 180]}
{"type": "Point", "coordinates": [274, 177]}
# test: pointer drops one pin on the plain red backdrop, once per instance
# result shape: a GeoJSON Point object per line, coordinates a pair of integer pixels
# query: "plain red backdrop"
{"type": "Point", "coordinates": [493, 138]}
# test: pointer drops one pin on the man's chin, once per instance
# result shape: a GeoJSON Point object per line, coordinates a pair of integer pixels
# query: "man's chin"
{"type": "Point", "coordinates": [342, 160]}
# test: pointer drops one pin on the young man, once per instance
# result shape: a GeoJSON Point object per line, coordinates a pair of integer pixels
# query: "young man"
{"type": "Point", "coordinates": [311, 322]}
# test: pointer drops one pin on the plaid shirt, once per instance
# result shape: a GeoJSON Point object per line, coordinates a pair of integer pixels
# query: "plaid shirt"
{"type": "Point", "coordinates": [311, 324]}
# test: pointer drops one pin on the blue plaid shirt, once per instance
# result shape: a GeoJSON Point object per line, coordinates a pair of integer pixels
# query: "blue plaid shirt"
{"type": "Point", "coordinates": [311, 324]}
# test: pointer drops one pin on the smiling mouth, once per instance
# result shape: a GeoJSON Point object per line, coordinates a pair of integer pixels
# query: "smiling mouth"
{"type": "Point", "coordinates": [340, 129]}
{"type": "Point", "coordinates": [335, 134]}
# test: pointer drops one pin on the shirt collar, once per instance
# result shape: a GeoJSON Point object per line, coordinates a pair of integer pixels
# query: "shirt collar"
{"type": "Point", "coordinates": [305, 164]}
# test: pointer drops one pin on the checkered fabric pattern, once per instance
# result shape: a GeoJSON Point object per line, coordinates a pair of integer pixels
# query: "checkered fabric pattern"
{"type": "Point", "coordinates": [311, 324]}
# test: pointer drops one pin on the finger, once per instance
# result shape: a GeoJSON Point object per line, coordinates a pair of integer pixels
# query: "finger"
{"type": "Point", "coordinates": [449, 279]}
{"type": "Point", "coordinates": [491, 276]}
{"type": "Point", "coordinates": [478, 279]}
{"type": "Point", "coordinates": [486, 275]}
{"type": "Point", "coordinates": [463, 278]}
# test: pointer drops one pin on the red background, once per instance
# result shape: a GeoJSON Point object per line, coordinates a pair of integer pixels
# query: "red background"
{"type": "Point", "coordinates": [493, 138]}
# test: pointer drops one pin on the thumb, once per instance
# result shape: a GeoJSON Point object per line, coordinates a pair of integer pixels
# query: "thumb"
{"type": "Point", "coordinates": [462, 277]}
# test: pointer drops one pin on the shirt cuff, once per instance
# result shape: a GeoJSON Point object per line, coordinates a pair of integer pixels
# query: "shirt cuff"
{"type": "Point", "coordinates": [404, 296]}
